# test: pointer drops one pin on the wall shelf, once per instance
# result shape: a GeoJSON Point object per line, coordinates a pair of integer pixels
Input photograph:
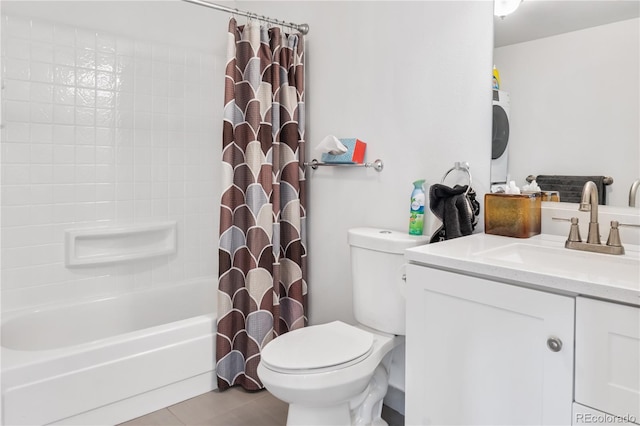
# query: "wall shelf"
{"type": "Point", "coordinates": [93, 246]}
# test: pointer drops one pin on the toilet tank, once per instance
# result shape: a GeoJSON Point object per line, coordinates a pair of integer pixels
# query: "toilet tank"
{"type": "Point", "coordinates": [377, 267]}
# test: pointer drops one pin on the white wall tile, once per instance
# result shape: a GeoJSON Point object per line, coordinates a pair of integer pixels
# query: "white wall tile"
{"type": "Point", "coordinates": [16, 174]}
{"type": "Point", "coordinates": [107, 99]}
{"type": "Point", "coordinates": [41, 31]}
{"type": "Point", "coordinates": [105, 173]}
{"type": "Point", "coordinates": [64, 95]}
{"type": "Point", "coordinates": [85, 154]}
{"type": "Point", "coordinates": [85, 135]}
{"type": "Point", "coordinates": [64, 115]}
{"type": "Point", "coordinates": [15, 216]}
{"type": "Point", "coordinates": [85, 39]}
{"type": "Point", "coordinates": [105, 136]}
{"type": "Point", "coordinates": [106, 210]}
{"type": "Point", "coordinates": [16, 69]}
{"type": "Point", "coordinates": [17, 48]}
{"type": "Point", "coordinates": [16, 90]}
{"type": "Point", "coordinates": [105, 80]}
{"type": "Point", "coordinates": [105, 117]}
{"type": "Point", "coordinates": [41, 173]}
{"type": "Point", "coordinates": [99, 129]}
{"type": "Point", "coordinates": [18, 27]}
{"type": "Point", "coordinates": [105, 192]}
{"type": "Point", "coordinates": [85, 173]}
{"type": "Point", "coordinates": [40, 71]}
{"type": "Point", "coordinates": [15, 132]}
{"type": "Point", "coordinates": [41, 52]}
{"type": "Point", "coordinates": [63, 134]}
{"type": "Point", "coordinates": [106, 43]}
{"type": "Point", "coordinates": [64, 173]}
{"type": "Point", "coordinates": [41, 92]}
{"type": "Point", "coordinates": [15, 153]}
{"type": "Point", "coordinates": [42, 113]}
{"type": "Point", "coordinates": [64, 75]}
{"type": "Point", "coordinates": [85, 78]}
{"type": "Point", "coordinates": [85, 116]}
{"type": "Point", "coordinates": [64, 193]}
{"type": "Point", "coordinates": [41, 153]}
{"type": "Point", "coordinates": [64, 55]}
{"type": "Point", "coordinates": [41, 214]}
{"type": "Point", "coordinates": [16, 111]}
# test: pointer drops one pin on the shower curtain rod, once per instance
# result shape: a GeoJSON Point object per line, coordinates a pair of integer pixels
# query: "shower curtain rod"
{"type": "Point", "coordinates": [303, 28]}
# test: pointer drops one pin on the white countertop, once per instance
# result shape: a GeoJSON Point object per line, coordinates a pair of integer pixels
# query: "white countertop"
{"type": "Point", "coordinates": [539, 262]}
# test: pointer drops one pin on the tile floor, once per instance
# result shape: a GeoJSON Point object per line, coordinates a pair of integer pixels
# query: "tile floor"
{"type": "Point", "coordinates": [230, 408]}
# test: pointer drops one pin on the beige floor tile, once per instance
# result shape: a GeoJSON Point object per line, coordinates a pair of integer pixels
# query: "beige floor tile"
{"type": "Point", "coordinates": [162, 417]}
{"type": "Point", "coordinates": [210, 405]}
{"type": "Point", "coordinates": [269, 409]}
{"type": "Point", "coordinates": [234, 407]}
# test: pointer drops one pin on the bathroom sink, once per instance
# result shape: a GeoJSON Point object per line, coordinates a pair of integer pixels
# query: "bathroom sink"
{"type": "Point", "coordinates": [621, 270]}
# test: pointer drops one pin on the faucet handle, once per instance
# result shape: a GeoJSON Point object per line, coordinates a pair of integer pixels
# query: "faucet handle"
{"type": "Point", "coordinates": [574, 231]}
{"type": "Point", "coordinates": [614, 235]}
{"type": "Point", "coordinates": [630, 225]}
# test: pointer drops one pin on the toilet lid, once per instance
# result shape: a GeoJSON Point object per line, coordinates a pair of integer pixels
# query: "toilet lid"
{"type": "Point", "coordinates": [317, 347]}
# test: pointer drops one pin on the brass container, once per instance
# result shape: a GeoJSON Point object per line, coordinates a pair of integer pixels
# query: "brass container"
{"type": "Point", "coordinates": [512, 215]}
{"type": "Point", "coordinates": [550, 196]}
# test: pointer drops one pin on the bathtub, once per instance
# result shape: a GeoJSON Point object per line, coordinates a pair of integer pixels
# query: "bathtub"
{"type": "Point", "coordinates": [108, 360]}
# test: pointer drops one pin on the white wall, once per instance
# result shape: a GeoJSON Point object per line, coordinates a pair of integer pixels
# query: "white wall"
{"type": "Point", "coordinates": [109, 117]}
{"type": "Point", "coordinates": [412, 79]}
{"type": "Point", "coordinates": [575, 103]}
{"type": "Point", "coordinates": [409, 78]}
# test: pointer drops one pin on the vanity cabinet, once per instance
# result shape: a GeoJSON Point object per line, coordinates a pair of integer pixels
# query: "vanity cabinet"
{"type": "Point", "coordinates": [484, 352]}
{"type": "Point", "coordinates": [607, 373]}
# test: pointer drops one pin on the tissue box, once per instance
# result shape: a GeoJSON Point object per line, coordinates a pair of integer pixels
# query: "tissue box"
{"type": "Point", "coordinates": [512, 215]}
{"type": "Point", "coordinates": [355, 153]}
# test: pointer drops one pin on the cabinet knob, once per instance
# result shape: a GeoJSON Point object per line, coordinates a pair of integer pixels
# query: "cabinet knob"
{"type": "Point", "coordinates": [554, 344]}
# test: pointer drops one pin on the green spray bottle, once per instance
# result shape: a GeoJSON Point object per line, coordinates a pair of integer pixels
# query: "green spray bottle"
{"type": "Point", "coordinates": [416, 212]}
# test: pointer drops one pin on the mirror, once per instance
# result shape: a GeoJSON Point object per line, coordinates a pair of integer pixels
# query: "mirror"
{"type": "Point", "coordinates": [571, 69]}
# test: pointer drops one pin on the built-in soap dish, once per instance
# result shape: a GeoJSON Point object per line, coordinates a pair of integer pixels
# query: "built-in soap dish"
{"type": "Point", "coordinates": [122, 243]}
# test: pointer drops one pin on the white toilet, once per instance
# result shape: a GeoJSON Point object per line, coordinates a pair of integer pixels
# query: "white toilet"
{"type": "Point", "coordinates": [335, 373]}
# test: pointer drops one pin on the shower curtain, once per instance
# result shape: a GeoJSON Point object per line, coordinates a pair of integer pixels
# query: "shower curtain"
{"type": "Point", "coordinates": [262, 286]}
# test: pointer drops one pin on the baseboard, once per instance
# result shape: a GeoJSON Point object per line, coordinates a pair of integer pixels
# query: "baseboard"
{"type": "Point", "coordinates": [395, 399]}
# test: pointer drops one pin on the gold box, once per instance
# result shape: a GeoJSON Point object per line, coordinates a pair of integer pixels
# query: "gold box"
{"type": "Point", "coordinates": [512, 215]}
{"type": "Point", "coordinates": [550, 196]}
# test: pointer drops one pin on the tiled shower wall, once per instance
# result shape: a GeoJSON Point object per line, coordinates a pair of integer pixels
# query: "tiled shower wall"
{"type": "Point", "coordinates": [101, 129]}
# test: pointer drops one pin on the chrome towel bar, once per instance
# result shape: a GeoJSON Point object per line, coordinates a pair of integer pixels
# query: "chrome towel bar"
{"type": "Point", "coordinates": [314, 164]}
{"type": "Point", "coordinates": [608, 180]}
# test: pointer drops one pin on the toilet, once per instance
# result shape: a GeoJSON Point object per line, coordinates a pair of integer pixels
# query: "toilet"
{"type": "Point", "coordinates": [336, 373]}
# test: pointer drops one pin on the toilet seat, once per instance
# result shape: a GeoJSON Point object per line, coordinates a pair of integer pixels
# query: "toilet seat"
{"type": "Point", "coordinates": [318, 348]}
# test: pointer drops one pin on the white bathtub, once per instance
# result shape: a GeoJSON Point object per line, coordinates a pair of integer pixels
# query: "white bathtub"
{"type": "Point", "coordinates": [108, 360]}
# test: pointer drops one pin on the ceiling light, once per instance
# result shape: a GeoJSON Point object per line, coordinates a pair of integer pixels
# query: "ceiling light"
{"type": "Point", "coordinates": [503, 8]}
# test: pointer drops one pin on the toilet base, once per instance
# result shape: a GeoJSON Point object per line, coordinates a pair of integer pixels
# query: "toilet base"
{"type": "Point", "coordinates": [363, 410]}
{"type": "Point", "coordinates": [337, 415]}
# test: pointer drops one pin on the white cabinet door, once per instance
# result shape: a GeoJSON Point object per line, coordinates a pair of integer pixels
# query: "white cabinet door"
{"type": "Point", "coordinates": [608, 356]}
{"type": "Point", "coordinates": [477, 352]}
{"type": "Point", "coordinates": [583, 415]}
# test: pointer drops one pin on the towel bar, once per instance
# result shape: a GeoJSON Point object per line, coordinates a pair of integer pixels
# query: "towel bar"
{"type": "Point", "coordinates": [608, 180]}
{"type": "Point", "coordinates": [314, 164]}
{"type": "Point", "coordinates": [462, 166]}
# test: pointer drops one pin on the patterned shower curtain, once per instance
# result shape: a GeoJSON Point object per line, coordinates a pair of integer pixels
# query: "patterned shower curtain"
{"type": "Point", "coordinates": [262, 286]}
